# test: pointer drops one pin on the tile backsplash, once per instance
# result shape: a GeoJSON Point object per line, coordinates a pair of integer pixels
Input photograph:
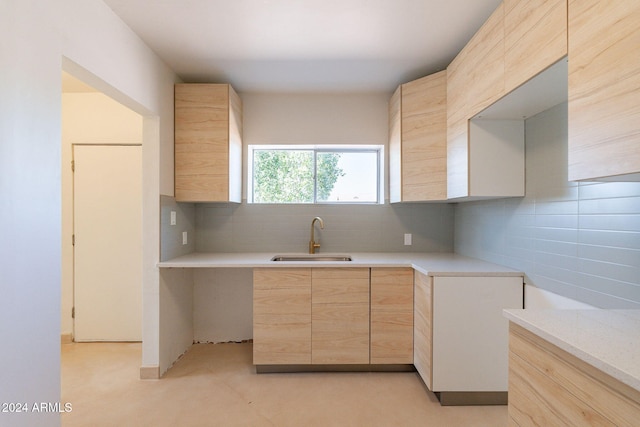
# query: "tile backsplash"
{"type": "Point", "coordinates": [580, 240]}
{"type": "Point", "coordinates": [347, 228]}
{"type": "Point", "coordinates": [171, 235]}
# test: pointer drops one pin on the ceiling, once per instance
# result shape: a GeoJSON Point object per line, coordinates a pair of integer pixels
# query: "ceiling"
{"type": "Point", "coordinates": [305, 45]}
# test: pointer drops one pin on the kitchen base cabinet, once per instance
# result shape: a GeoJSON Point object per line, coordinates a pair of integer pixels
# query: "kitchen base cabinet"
{"type": "Point", "coordinates": [281, 316]}
{"type": "Point", "coordinates": [469, 336]}
{"type": "Point", "coordinates": [423, 327]}
{"type": "Point", "coordinates": [340, 316]}
{"type": "Point", "coordinates": [391, 315]}
{"type": "Point", "coordinates": [316, 318]}
{"type": "Point", "coordinates": [548, 386]}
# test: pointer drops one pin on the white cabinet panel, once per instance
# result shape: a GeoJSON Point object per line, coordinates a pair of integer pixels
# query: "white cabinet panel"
{"type": "Point", "coordinates": [470, 335]}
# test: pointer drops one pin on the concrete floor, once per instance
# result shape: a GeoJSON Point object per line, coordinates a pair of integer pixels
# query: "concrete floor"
{"type": "Point", "coordinates": [216, 385]}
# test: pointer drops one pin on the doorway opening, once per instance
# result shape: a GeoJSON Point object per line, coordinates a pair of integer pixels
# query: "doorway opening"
{"type": "Point", "coordinates": [102, 216]}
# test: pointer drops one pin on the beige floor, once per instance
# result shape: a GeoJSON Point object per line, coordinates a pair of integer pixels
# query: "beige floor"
{"type": "Point", "coordinates": [216, 385]}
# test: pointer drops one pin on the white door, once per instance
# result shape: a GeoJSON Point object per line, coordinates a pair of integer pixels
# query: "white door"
{"type": "Point", "coordinates": [108, 243]}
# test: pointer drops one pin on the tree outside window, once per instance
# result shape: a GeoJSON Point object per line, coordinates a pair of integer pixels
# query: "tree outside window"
{"type": "Point", "coordinates": [314, 175]}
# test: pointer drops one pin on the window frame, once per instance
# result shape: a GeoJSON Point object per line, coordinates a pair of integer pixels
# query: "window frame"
{"type": "Point", "coordinates": [315, 149]}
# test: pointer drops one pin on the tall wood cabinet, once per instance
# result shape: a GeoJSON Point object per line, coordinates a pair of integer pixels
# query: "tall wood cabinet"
{"type": "Point", "coordinates": [418, 140]}
{"type": "Point", "coordinates": [604, 90]}
{"type": "Point", "coordinates": [208, 143]}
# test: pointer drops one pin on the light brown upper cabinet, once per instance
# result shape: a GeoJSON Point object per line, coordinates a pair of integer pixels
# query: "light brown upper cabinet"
{"type": "Point", "coordinates": [208, 143]}
{"type": "Point", "coordinates": [535, 37]}
{"type": "Point", "coordinates": [418, 140]}
{"type": "Point", "coordinates": [510, 70]}
{"type": "Point", "coordinates": [484, 160]}
{"type": "Point", "coordinates": [604, 90]}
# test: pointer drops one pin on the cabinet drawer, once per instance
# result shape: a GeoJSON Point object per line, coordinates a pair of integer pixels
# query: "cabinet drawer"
{"type": "Point", "coordinates": [340, 285]}
{"type": "Point", "coordinates": [391, 289]}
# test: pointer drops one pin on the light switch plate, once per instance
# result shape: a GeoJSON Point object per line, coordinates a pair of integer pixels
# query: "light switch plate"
{"type": "Point", "coordinates": [184, 237]}
{"type": "Point", "coordinates": [173, 218]}
{"type": "Point", "coordinates": [407, 239]}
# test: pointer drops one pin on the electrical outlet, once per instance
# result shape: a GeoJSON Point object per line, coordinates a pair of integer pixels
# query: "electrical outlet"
{"type": "Point", "coordinates": [184, 238]}
{"type": "Point", "coordinates": [173, 218]}
{"type": "Point", "coordinates": [407, 239]}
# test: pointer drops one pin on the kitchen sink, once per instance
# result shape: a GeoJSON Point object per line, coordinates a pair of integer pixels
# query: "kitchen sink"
{"type": "Point", "coordinates": [311, 257]}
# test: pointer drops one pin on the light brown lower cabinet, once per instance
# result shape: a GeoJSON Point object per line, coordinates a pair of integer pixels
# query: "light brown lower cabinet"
{"type": "Point", "coordinates": [332, 316]}
{"type": "Point", "coordinates": [423, 328]}
{"type": "Point", "coordinates": [549, 387]}
{"type": "Point", "coordinates": [392, 315]}
{"type": "Point", "coordinates": [340, 316]}
{"type": "Point", "coordinates": [281, 316]}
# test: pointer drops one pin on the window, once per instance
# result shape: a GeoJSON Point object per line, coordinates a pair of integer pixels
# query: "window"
{"type": "Point", "coordinates": [314, 174]}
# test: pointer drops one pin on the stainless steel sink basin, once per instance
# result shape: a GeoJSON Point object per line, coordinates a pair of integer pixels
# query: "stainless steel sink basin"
{"type": "Point", "coordinates": [311, 258]}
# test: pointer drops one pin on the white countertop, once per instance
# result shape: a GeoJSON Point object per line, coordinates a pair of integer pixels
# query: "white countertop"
{"type": "Point", "coordinates": [432, 264]}
{"type": "Point", "coordinates": [609, 340]}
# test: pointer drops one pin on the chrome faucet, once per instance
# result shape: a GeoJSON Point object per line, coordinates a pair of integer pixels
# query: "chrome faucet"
{"type": "Point", "coordinates": [313, 245]}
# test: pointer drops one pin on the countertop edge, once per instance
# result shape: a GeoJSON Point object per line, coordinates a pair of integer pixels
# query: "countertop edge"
{"type": "Point", "coordinates": [597, 362]}
{"type": "Point", "coordinates": [430, 264]}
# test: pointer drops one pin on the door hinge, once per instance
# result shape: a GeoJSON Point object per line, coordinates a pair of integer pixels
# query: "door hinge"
{"type": "Point", "coordinates": [73, 312]}
{"type": "Point", "coordinates": [73, 165]}
{"type": "Point", "coordinates": [73, 240]}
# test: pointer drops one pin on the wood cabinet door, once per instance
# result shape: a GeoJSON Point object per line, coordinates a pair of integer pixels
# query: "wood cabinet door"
{"type": "Point", "coordinates": [418, 140]}
{"type": "Point", "coordinates": [485, 58]}
{"type": "Point", "coordinates": [475, 80]}
{"type": "Point", "coordinates": [535, 37]}
{"type": "Point", "coordinates": [424, 139]}
{"type": "Point", "coordinates": [391, 316]}
{"type": "Point", "coordinates": [208, 143]}
{"type": "Point", "coordinates": [457, 128]}
{"type": "Point", "coordinates": [281, 316]}
{"type": "Point", "coordinates": [548, 386]}
{"type": "Point", "coordinates": [604, 89]}
{"type": "Point", "coordinates": [423, 327]}
{"type": "Point", "coordinates": [395, 146]}
{"type": "Point", "coordinates": [340, 316]}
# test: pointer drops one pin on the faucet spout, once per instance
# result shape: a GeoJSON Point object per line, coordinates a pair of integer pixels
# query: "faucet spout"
{"type": "Point", "coordinates": [313, 245]}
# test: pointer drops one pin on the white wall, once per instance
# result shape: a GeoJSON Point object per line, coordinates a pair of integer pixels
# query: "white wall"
{"type": "Point", "coordinates": [223, 307]}
{"type": "Point", "coordinates": [37, 36]}
{"type": "Point", "coordinates": [270, 118]}
{"type": "Point", "coordinates": [87, 118]}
